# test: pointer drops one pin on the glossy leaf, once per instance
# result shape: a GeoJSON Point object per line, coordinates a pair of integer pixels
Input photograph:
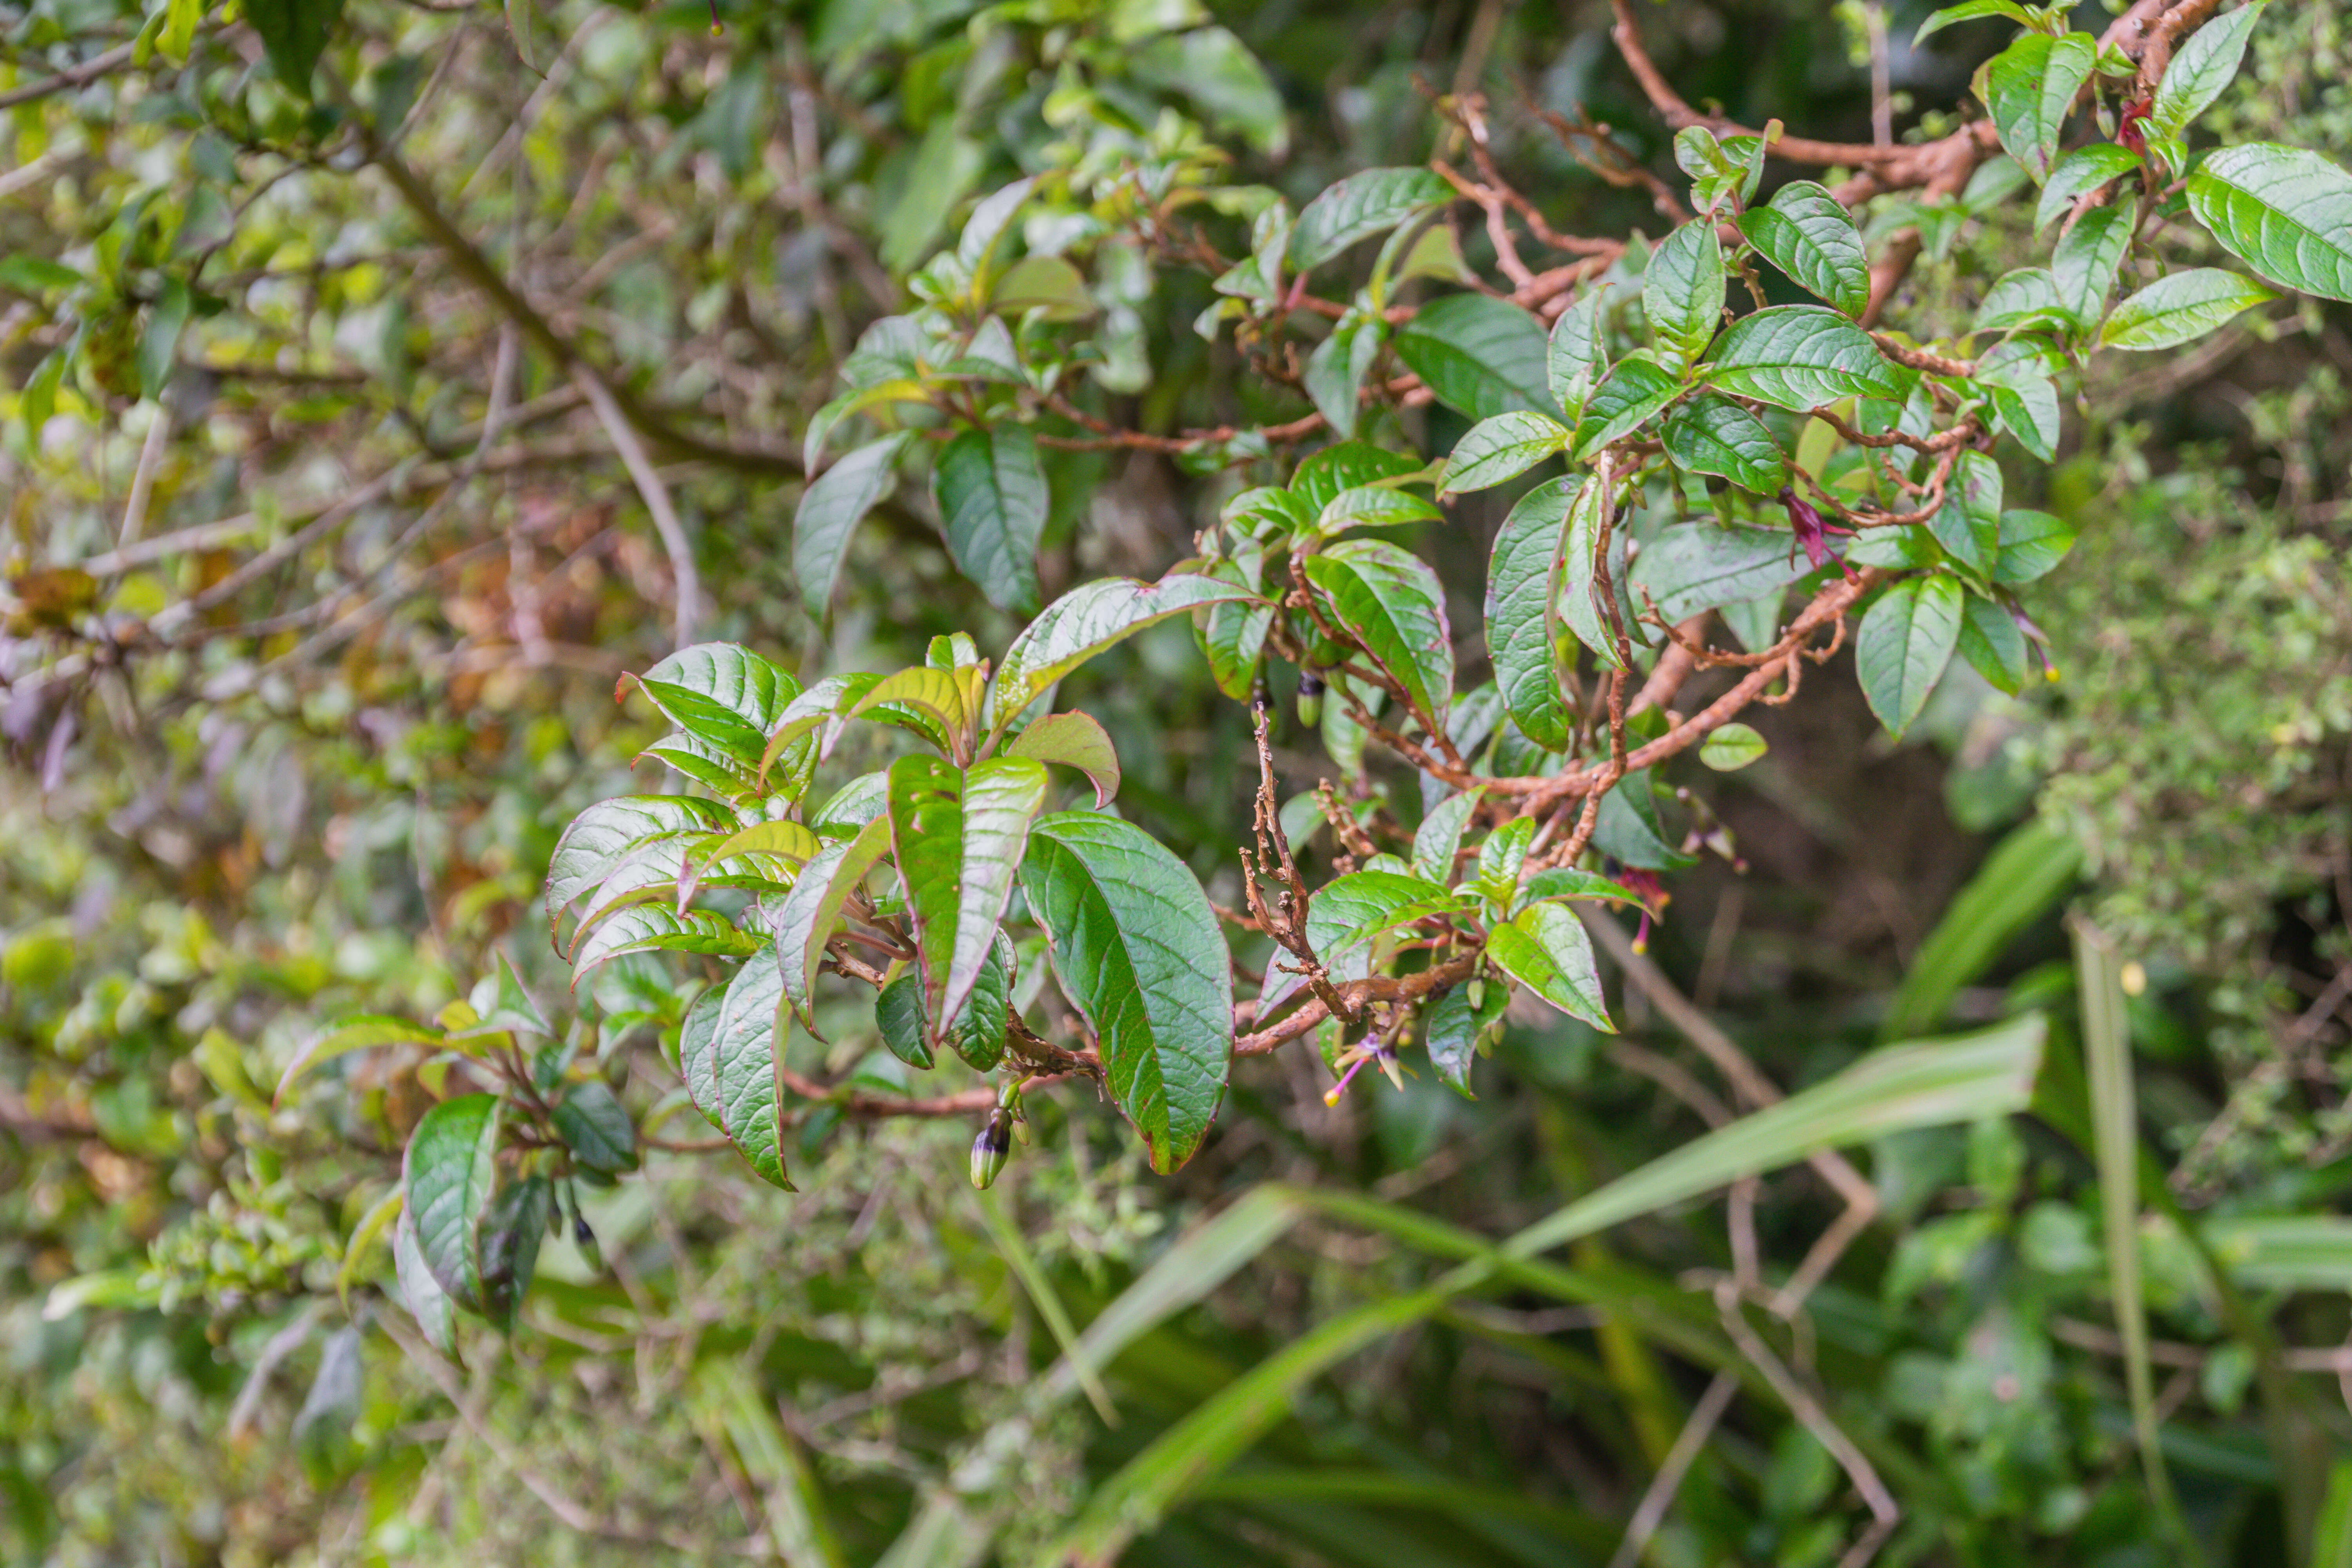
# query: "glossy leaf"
{"type": "Point", "coordinates": [899, 1017]}
{"type": "Point", "coordinates": [363, 1033]}
{"type": "Point", "coordinates": [1084, 622]}
{"type": "Point", "coordinates": [1682, 292]}
{"type": "Point", "coordinates": [697, 1056]}
{"type": "Point", "coordinates": [1696, 566]}
{"type": "Point", "coordinates": [1451, 1028]}
{"type": "Point", "coordinates": [2202, 68]}
{"type": "Point", "coordinates": [1576, 355]}
{"type": "Point", "coordinates": [1808, 233]}
{"type": "Point", "coordinates": [1904, 644]}
{"type": "Point", "coordinates": [1993, 644]}
{"type": "Point", "coordinates": [2084, 169]}
{"type": "Point", "coordinates": [2030, 88]}
{"type": "Point", "coordinates": [295, 33]}
{"type": "Point", "coordinates": [832, 506]}
{"type": "Point", "coordinates": [977, 1032]}
{"type": "Point", "coordinates": [1546, 949]}
{"type": "Point", "coordinates": [1800, 357]}
{"type": "Point", "coordinates": [1073, 741]}
{"type": "Point", "coordinates": [1581, 607]}
{"type": "Point", "coordinates": [1500, 448]}
{"type": "Point", "coordinates": [506, 1245]}
{"type": "Point", "coordinates": [1336, 371]}
{"type": "Point", "coordinates": [1523, 586]}
{"type": "Point", "coordinates": [958, 836]}
{"type": "Point", "coordinates": [448, 1174]}
{"type": "Point", "coordinates": [596, 1128]}
{"type": "Point", "coordinates": [805, 919]}
{"type": "Point", "coordinates": [1140, 954]}
{"type": "Point", "coordinates": [1439, 838]}
{"type": "Point", "coordinates": [2180, 308]}
{"type": "Point", "coordinates": [721, 693]}
{"type": "Point", "coordinates": [1732, 747]}
{"type": "Point", "coordinates": [420, 1293]}
{"type": "Point", "coordinates": [2088, 258]}
{"type": "Point", "coordinates": [1394, 603]}
{"type": "Point", "coordinates": [1480, 356]}
{"type": "Point", "coordinates": [1967, 525]}
{"type": "Point", "coordinates": [1575, 883]}
{"type": "Point", "coordinates": [2032, 544]}
{"type": "Point", "coordinates": [745, 1037]}
{"type": "Point", "coordinates": [2284, 211]}
{"type": "Point", "coordinates": [1969, 11]}
{"type": "Point", "coordinates": [992, 502]}
{"type": "Point", "coordinates": [656, 928]}
{"type": "Point", "coordinates": [1374, 506]}
{"type": "Point", "coordinates": [1343, 466]}
{"type": "Point", "coordinates": [1361, 206]}
{"type": "Point", "coordinates": [1711, 434]}
{"type": "Point", "coordinates": [602, 838]}
{"type": "Point", "coordinates": [1631, 396]}
{"type": "Point", "coordinates": [2025, 298]}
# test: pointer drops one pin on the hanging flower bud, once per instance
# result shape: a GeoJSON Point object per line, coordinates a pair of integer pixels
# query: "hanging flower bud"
{"type": "Point", "coordinates": [1310, 698]}
{"type": "Point", "coordinates": [2129, 133]}
{"type": "Point", "coordinates": [990, 1150]}
{"type": "Point", "coordinates": [585, 1239]}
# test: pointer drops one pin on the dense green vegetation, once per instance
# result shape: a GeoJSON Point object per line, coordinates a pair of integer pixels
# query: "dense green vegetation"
{"type": "Point", "coordinates": [1314, 784]}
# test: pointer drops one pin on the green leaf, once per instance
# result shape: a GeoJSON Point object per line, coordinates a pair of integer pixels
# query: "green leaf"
{"type": "Point", "coordinates": [1630, 831]}
{"type": "Point", "coordinates": [743, 1045]}
{"type": "Point", "coordinates": [1523, 586]}
{"type": "Point", "coordinates": [1967, 525]}
{"type": "Point", "coordinates": [993, 500]}
{"type": "Point", "coordinates": [722, 693]}
{"type": "Point", "coordinates": [1337, 468]}
{"type": "Point", "coordinates": [805, 919]}
{"type": "Point", "coordinates": [1800, 357]}
{"type": "Point", "coordinates": [1452, 1026]}
{"type": "Point", "coordinates": [1905, 642]}
{"type": "Point", "coordinates": [2032, 542]}
{"type": "Point", "coordinates": [899, 1014]}
{"type": "Point", "coordinates": [506, 1245]}
{"type": "Point", "coordinates": [1500, 448]}
{"type": "Point", "coordinates": [1374, 506]}
{"type": "Point", "coordinates": [934, 703]}
{"type": "Point", "coordinates": [1682, 292]}
{"type": "Point", "coordinates": [1479, 355]}
{"type": "Point", "coordinates": [1711, 434]}
{"type": "Point", "coordinates": [363, 1033]}
{"type": "Point", "coordinates": [2017, 376]}
{"type": "Point", "coordinates": [1396, 607]}
{"type": "Point", "coordinates": [977, 1034]}
{"type": "Point", "coordinates": [2084, 169]}
{"type": "Point", "coordinates": [1572, 882]}
{"type": "Point", "coordinates": [1046, 284]}
{"type": "Point", "coordinates": [593, 1126]}
{"type": "Point", "coordinates": [1344, 917]}
{"type": "Point", "coordinates": [1576, 355]}
{"type": "Point", "coordinates": [1074, 740]}
{"type": "Point", "coordinates": [832, 506]}
{"type": "Point", "coordinates": [1545, 948]}
{"type": "Point", "coordinates": [697, 1053]}
{"type": "Point", "coordinates": [1808, 233]}
{"type": "Point", "coordinates": [2030, 88]}
{"type": "Point", "coordinates": [2025, 298]}
{"type": "Point", "coordinates": [2088, 258]}
{"type": "Point", "coordinates": [1993, 644]}
{"type": "Point", "coordinates": [1969, 11]}
{"type": "Point", "coordinates": [1731, 748]}
{"type": "Point", "coordinates": [1698, 566]}
{"type": "Point", "coordinates": [2180, 308]}
{"type": "Point", "coordinates": [1139, 953]}
{"type": "Point", "coordinates": [2204, 64]}
{"type": "Point", "coordinates": [295, 33]}
{"type": "Point", "coordinates": [429, 1304]}
{"type": "Point", "coordinates": [447, 1172]}
{"type": "Point", "coordinates": [1361, 206]}
{"type": "Point", "coordinates": [1632, 394]}
{"type": "Point", "coordinates": [1233, 637]}
{"type": "Point", "coordinates": [36, 274]}
{"type": "Point", "coordinates": [1581, 606]}
{"type": "Point", "coordinates": [1084, 621]}
{"type": "Point", "coordinates": [1336, 371]}
{"type": "Point", "coordinates": [958, 835]}
{"type": "Point", "coordinates": [1439, 838]}
{"type": "Point", "coordinates": [655, 927]}
{"type": "Point", "coordinates": [2284, 1252]}
{"type": "Point", "coordinates": [2283, 211]}
{"type": "Point", "coordinates": [159, 342]}
{"type": "Point", "coordinates": [2026, 877]}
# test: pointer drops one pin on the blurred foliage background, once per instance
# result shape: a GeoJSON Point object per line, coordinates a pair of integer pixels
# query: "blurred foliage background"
{"type": "Point", "coordinates": [302, 682]}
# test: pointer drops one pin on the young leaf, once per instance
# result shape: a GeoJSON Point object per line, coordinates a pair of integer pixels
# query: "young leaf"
{"type": "Point", "coordinates": [2018, 377]}
{"type": "Point", "coordinates": [2084, 169]}
{"type": "Point", "coordinates": [2025, 298]}
{"type": "Point", "coordinates": [1233, 637]}
{"type": "Point", "coordinates": [1808, 233]}
{"type": "Point", "coordinates": [1074, 740]}
{"type": "Point", "coordinates": [1698, 566]}
{"type": "Point", "coordinates": [993, 499]}
{"type": "Point", "coordinates": [743, 1046]}
{"type": "Point", "coordinates": [1371, 201]}
{"type": "Point", "coordinates": [1337, 468]}
{"type": "Point", "coordinates": [2283, 211]}
{"type": "Point", "coordinates": [360, 1034]}
{"type": "Point", "coordinates": [2204, 64]}
{"type": "Point", "coordinates": [656, 928]}
{"type": "Point", "coordinates": [1336, 371]}
{"type": "Point", "coordinates": [1969, 11]}
{"type": "Point", "coordinates": [1084, 621]}
{"type": "Point", "coordinates": [1732, 747]}
{"type": "Point", "coordinates": [1348, 912]}
{"type": "Point", "coordinates": [2180, 308]}
{"type": "Point", "coordinates": [958, 835]}
{"type": "Point", "coordinates": [1139, 953]}
{"type": "Point", "coordinates": [1711, 434]}
{"type": "Point", "coordinates": [1545, 948]}
{"type": "Point", "coordinates": [1439, 837]}
{"type": "Point", "coordinates": [1967, 525]}
{"type": "Point", "coordinates": [1395, 604]}
{"type": "Point", "coordinates": [830, 510]}
{"type": "Point", "coordinates": [1682, 292]}
{"type": "Point", "coordinates": [1905, 642]}
{"type": "Point", "coordinates": [1374, 506]}
{"type": "Point", "coordinates": [1993, 644]}
{"type": "Point", "coordinates": [2030, 88]}
{"type": "Point", "coordinates": [1572, 882]}
{"type": "Point", "coordinates": [1632, 394]}
{"type": "Point", "coordinates": [295, 33]}
{"type": "Point", "coordinates": [804, 919]}
{"type": "Point", "coordinates": [721, 693]}
{"type": "Point", "coordinates": [1480, 356]}
{"type": "Point", "coordinates": [1580, 605]}
{"type": "Point", "coordinates": [447, 1173]}
{"type": "Point", "coordinates": [934, 703]}
{"type": "Point", "coordinates": [1500, 448]}
{"type": "Point", "coordinates": [1576, 356]}
{"type": "Point", "coordinates": [1523, 586]}
{"type": "Point", "coordinates": [1452, 1026]}
{"type": "Point", "coordinates": [2032, 542]}
{"type": "Point", "coordinates": [596, 1128]}
{"type": "Point", "coordinates": [1800, 357]}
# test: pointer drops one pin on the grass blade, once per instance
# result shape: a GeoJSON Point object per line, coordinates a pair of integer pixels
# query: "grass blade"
{"type": "Point", "coordinates": [2026, 873]}
{"type": "Point", "coordinates": [1025, 1268]}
